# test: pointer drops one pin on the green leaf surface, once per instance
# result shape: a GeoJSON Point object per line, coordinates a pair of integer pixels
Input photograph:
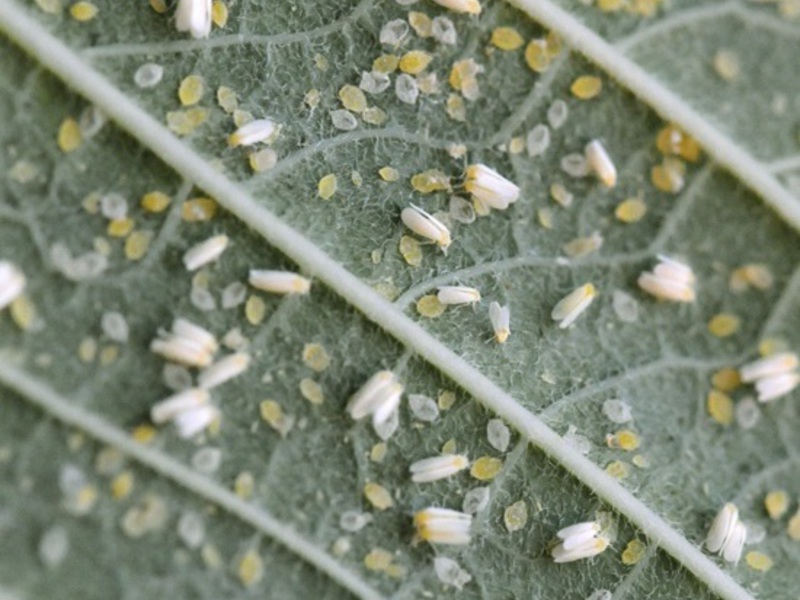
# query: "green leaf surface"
{"type": "Point", "coordinates": [544, 382]}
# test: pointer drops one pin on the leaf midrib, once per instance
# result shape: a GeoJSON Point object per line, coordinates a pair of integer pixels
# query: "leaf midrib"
{"type": "Point", "coordinates": [64, 62]}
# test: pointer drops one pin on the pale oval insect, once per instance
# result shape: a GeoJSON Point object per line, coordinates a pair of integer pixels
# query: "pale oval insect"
{"type": "Point", "coordinates": [252, 133]}
{"type": "Point", "coordinates": [195, 333]}
{"type": "Point", "coordinates": [379, 396]}
{"type": "Point", "coordinates": [500, 318]}
{"type": "Point", "coordinates": [279, 282]}
{"type": "Point", "coordinates": [194, 16]}
{"type": "Point", "coordinates": [669, 280]}
{"type": "Point", "coordinates": [458, 294]}
{"type": "Point", "coordinates": [732, 551]}
{"type": "Point", "coordinates": [192, 422]}
{"type": "Point", "coordinates": [600, 162]}
{"type": "Point", "coordinates": [489, 188]}
{"type": "Point", "coordinates": [777, 364]}
{"type": "Point", "coordinates": [576, 535]}
{"type": "Point", "coordinates": [182, 350]}
{"type": "Point", "coordinates": [472, 7]}
{"type": "Point", "coordinates": [443, 526]}
{"type": "Point", "coordinates": [771, 388]}
{"type": "Point", "coordinates": [223, 370]}
{"type": "Point", "coordinates": [12, 283]}
{"type": "Point", "coordinates": [437, 467]}
{"type": "Point", "coordinates": [171, 407]}
{"type": "Point", "coordinates": [427, 226]}
{"type": "Point", "coordinates": [722, 527]}
{"type": "Point", "coordinates": [205, 252]}
{"type": "Point", "coordinates": [573, 305]}
{"type": "Point", "coordinates": [586, 549]}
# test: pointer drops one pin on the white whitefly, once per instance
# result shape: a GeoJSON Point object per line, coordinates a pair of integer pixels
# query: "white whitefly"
{"type": "Point", "coordinates": [476, 500]}
{"type": "Point", "coordinates": [538, 140]}
{"type": "Point", "coordinates": [625, 306]}
{"type": "Point", "coordinates": [233, 295]}
{"type": "Point", "coordinates": [748, 413]}
{"type": "Point", "coordinates": [498, 434]}
{"type": "Point", "coordinates": [444, 31]}
{"type": "Point", "coordinates": [253, 132]}
{"type": "Point", "coordinates": [394, 32]}
{"type": "Point", "coordinates": [500, 318]}
{"type": "Point", "coordinates": [777, 364]}
{"type": "Point", "coordinates": [177, 404]}
{"type": "Point", "coordinates": [450, 573]}
{"type": "Point", "coordinates": [53, 546]}
{"type": "Point", "coordinates": [115, 327]}
{"type": "Point", "coordinates": [385, 426]}
{"type": "Point", "coordinates": [406, 88]}
{"type": "Point", "coordinates": [569, 308]}
{"type": "Point", "coordinates": [354, 520]}
{"type": "Point", "coordinates": [148, 75]}
{"type": "Point", "coordinates": [423, 408]}
{"type": "Point", "coordinates": [207, 460]}
{"type": "Point", "coordinates": [191, 529]}
{"type": "Point", "coordinates": [617, 411]}
{"type": "Point", "coordinates": [343, 120]}
{"type": "Point", "coordinates": [223, 370]}
{"type": "Point", "coordinates": [772, 388]}
{"type": "Point", "coordinates": [279, 282]}
{"type": "Point", "coordinates": [192, 422]}
{"type": "Point", "coordinates": [202, 299]}
{"type": "Point", "coordinates": [575, 165]}
{"type": "Point", "coordinates": [458, 294]}
{"type": "Point", "coordinates": [557, 114]}
{"type": "Point", "coordinates": [205, 252]}
{"type": "Point", "coordinates": [12, 283]}
{"type": "Point", "coordinates": [194, 16]}
{"type": "Point", "coordinates": [437, 467]}
{"type": "Point", "coordinates": [113, 206]}
{"type": "Point", "coordinates": [374, 83]}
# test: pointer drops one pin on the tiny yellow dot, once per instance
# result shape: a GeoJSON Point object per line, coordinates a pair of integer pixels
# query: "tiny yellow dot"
{"type": "Point", "coordinates": [155, 202]}
{"type": "Point", "coordinates": [726, 64]}
{"type": "Point", "coordinates": [23, 312]}
{"type": "Point", "coordinates": [389, 174]}
{"type": "Point", "coordinates": [378, 559]}
{"type": "Point", "coordinates": [758, 561]}
{"type": "Point", "coordinates": [430, 307]}
{"type": "Point", "coordinates": [143, 434]}
{"type": "Point", "coordinates": [378, 496]}
{"type": "Point", "coordinates": [507, 38]}
{"type": "Point", "coordinates": [122, 485]}
{"type": "Point", "coordinates": [83, 11]}
{"type": "Point", "coordinates": [327, 186]}
{"type": "Point", "coordinates": [724, 325]}
{"type": "Point", "coordinates": [726, 380]}
{"type": "Point", "coordinates": [191, 90]}
{"type": "Point", "coordinates": [537, 56]}
{"type": "Point", "coordinates": [198, 210]}
{"type": "Point", "coordinates": [421, 24]}
{"type": "Point", "coordinates": [245, 484]}
{"type": "Point", "coordinates": [793, 527]}
{"type": "Point", "coordinates": [515, 516]}
{"type": "Point", "coordinates": [777, 503]}
{"type": "Point", "coordinates": [631, 210]}
{"type": "Point", "coordinates": [227, 99]}
{"type": "Point", "coordinates": [586, 87]}
{"type": "Point", "coordinates": [159, 6]}
{"type": "Point", "coordinates": [446, 400]}
{"type": "Point", "coordinates": [250, 569]}
{"type": "Point", "coordinates": [430, 181]}
{"type": "Point", "coordinates": [456, 108]}
{"type": "Point", "coordinates": [618, 469]}
{"type": "Point", "coordinates": [352, 98]}
{"type": "Point", "coordinates": [486, 468]}
{"type": "Point", "coordinates": [634, 552]}
{"type": "Point", "coordinates": [385, 63]}
{"type": "Point", "coordinates": [219, 13]}
{"type": "Point", "coordinates": [316, 357]}
{"type": "Point", "coordinates": [415, 62]}
{"type": "Point", "coordinates": [378, 452]}
{"type": "Point", "coordinates": [312, 391]}
{"type": "Point", "coordinates": [69, 135]}
{"type": "Point", "coordinates": [137, 245]}
{"type": "Point", "coordinates": [411, 251]}
{"type": "Point", "coordinates": [120, 228]}
{"type": "Point", "coordinates": [720, 407]}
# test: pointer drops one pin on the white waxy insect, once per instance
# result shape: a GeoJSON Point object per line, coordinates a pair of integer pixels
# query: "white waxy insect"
{"type": "Point", "coordinates": [194, 16]}
{"type": "Point", "coordinates": [777, 364]}
{"type": "Point", "coordinates": [600, 163]}
{"type": "Point", "coordinates": [223, 370]}
{"type": "Point", "coordinates": [187, 344]}
{"type": "Point", "coordinates": [12, 283]}
{"type": "Point", "coordinates": [770, 388]}
{"type": "Point", "coordinates": [490, 189]}
{"type": "Point", "coordinates": [573, 305]}
{"type": "Point", "coordinates": [251, 133]}
{"type": "Point", "coordinates": [279, 282]}
{"type": "Point", "coordinates": [579, 541]}
{"type": "Point", "coordinates": [500, 318]}
{"type": "Point", "coordinates": [727, 534]}
{"type": "Point", "coordinates": [472, 7]}
{"type": "Point", "coordinates": [205, 252]}
{"type": "Point", "coordinates": [169, 408]}
{"type": "Point", "coordinates": [437, 467]}
{"type": "Point", "coordinates": [443, 526]}
{"type": "Point", "coordinates": [193, 421]}
{"type": "Point", "coordinates": [379, 396]}
{"type": "Point", "coordinates": [427, 226]}
{"type": "Point", "coordinates": [669, 280]}
{"type": "Point", "coordinates": [458, 294]}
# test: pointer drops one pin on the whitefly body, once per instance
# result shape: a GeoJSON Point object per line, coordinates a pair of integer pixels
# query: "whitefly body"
{"type": "Point", "coordinates": [279, 282]}
{"type": "Point", "coordinates": [205, 252]}
{"type": "Point", "coordinates": [427, 226]}
{"type": "Point", "coordinates": [379, 396]}
{"type": "Point", "coordinates": [12, 283]}
{"type": "Point", "coordinates": [579, 541]}
{"type": "Point", "coordinates": [184, 401]}
{"type": "Point", "coordinates": [669, 280]}
{"type": "Point", "coordinates": [771, 388]}
{"type": "Point", "coordinates": [437, 467]}
{"type": "Point", "coordinates": [600, 162]}
{"type": "Point", "coordinates": [770, 366]}
{"type": "Point", "coordinates": [573, 305]}
{"type": "Point", "coordinates": [490, 189]}
{"type": "Point", "coordinates": [458, 294]}
{"type": "Point", "coordinates": [192, 422]}
{"type": "Point", "coordinates": [224, 370]}
{"type": "Point", "coordinates": [194, 17]}
{"type": "Point", "coordinates": [471, 7]}
{"type": "Point", "coordinates": [443, 526]}
{"type": "Point", "coordinates": [254, 132]}
{"type": "Point", "coordinates": [500, 318]}
{"type": "Point", "coordinates": [727, 534]}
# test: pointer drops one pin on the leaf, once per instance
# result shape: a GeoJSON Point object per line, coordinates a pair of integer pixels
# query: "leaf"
{"type": "Point", "coordinates": [544, 382]}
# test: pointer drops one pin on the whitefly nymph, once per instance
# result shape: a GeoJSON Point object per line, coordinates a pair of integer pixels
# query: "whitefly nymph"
{"type": "Point", "coordinates": [727, 534]}
{"type": "Point", "coordinates": [12, 283]}
{"type": "Point", "coordinates": [489, 189]}
{"type": "Point", "coordinates": [194, 17]}
{"type": "Point", "coordinates": [379, 397]}
{"type": "Point", "coordinates": [427, 226]}
{"type": "Point", "coordinates": [579, 541]}
{"type": "Point", "coordinates": [443, 526]}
